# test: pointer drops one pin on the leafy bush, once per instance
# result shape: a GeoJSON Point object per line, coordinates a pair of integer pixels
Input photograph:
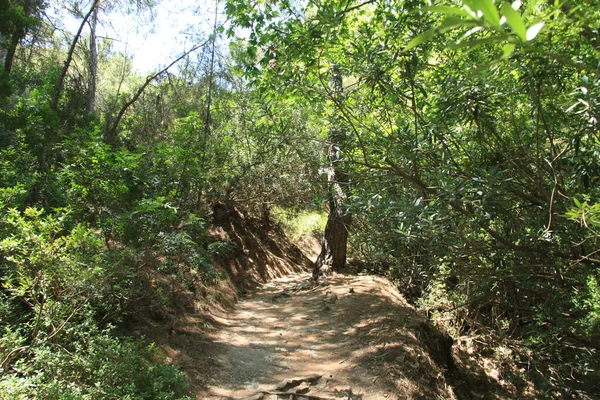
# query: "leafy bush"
{"type": "Point", "coordinates": [150, 218]}
{"type": "Point", "coordinates": [97, 180]}
{"type": "Point", "coordinates": [89, 363]}
{"type": "Point", "coordinates": [182, 258]}
{"type": "Point", "coordinates": [55, 285]}
{"type": "Point", "coordinates": [298, 223]}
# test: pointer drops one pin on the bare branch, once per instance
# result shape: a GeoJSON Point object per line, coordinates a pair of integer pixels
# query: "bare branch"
{"type": "Point", "coordinates": [111, 130]}
{"type": "Point", "coordinates": [61, 79]}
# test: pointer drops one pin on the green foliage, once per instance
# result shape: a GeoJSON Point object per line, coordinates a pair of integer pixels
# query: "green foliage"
{"type": "Point", "coordinates": [184, 259]}
{"type": "Point", "coordinates": [88, 363]}
{"type": "Point", "coordinates": [586, 214]}
{"type": "Point", "coordinates": [589, 300]}
{"type": "Point", "coordinates": [463, 161]}
{"type": "Point", "coordinates": [16, 20]}
{"type": "Point", "coordinates": [55, 283]}
{"type": "Point", "coordinates": [479, 23]}
{"type": "Point", "coordinates": [150, 218]}
{"type": "Point", "coordinates": [298, 223]}
{"type": "Point", "coordinates": [98, 180]}
{"type": "Point", "coordinates": [43, 265]}
{"type": "Point", "coordinates": [13, 18]}
{"type": "Point", "coordinates": [472, 128]}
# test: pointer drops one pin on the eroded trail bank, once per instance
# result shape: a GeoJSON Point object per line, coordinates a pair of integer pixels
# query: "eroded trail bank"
{"type": "Point", "coordinates": [356, 333]}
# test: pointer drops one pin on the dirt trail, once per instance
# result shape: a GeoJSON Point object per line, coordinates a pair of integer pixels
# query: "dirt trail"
{"type": "Point", "coordinates": [356, 332]}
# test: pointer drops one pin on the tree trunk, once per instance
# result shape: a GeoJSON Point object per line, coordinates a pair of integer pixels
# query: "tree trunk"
{"type": "Point", "coordinates": [209, 98]}
{"type": "Point", "coordinates": [333, 247]}
{"type": "Point", "coordinates": [93, 63]}
{"type": "Point", "coordinates": [63, 73]}
{"type": "Point", "coordinates": [17, 31]}
{"type": "Point", "coordinates": [10, 51]}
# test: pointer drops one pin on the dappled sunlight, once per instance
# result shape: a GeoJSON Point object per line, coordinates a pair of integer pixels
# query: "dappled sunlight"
{"type": "Point", "coordinates": [359, 335]}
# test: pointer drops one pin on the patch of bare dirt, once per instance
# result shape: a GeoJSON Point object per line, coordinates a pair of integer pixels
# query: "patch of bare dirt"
{"type": "Point", "coordinates": [266, 329]}
{"type": "Point", "coordinates": [310, 245]}
{"type": "Point", "coordinates": [357, 334]}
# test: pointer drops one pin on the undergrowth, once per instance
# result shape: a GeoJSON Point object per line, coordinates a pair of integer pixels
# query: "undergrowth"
{"type": "Point", "coordinates": [63, 288]}
{"type": "Point", "coordinates": [299, 223]}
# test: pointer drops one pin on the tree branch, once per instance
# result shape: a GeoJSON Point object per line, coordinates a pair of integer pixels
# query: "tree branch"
{"type": "Point", "coordinates": [111, 129]}
{"type": "Point", "coordinates": [63, 73]}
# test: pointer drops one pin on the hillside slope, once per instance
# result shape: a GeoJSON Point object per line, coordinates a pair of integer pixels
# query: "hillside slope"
{"type": "Point", "coordinates": [266, 322]}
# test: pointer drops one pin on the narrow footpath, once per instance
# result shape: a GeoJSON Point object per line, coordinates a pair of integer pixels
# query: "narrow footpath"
{"type": "Point", "coordinates": [353, 338]}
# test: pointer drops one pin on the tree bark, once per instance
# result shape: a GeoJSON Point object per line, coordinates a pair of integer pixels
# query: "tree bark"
{"type": "Point", "coordinates": [9, 41]}
{"type": "Point", "coordinates": [335, 238]}
{"type": "Point", "coordinates": [63, 73]}
{"type": "Point", "coordinates": [93, 63]}
{"type": "Point", "coordinates": [10, 51]}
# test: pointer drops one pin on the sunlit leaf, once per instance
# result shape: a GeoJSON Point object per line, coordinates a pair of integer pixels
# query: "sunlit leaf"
{"type": "Point", "coordinates": [533, 30]}
{"type": "Point", "coordinates": [490, 12]}
{"type": "Point", "coordinates": [507, 50]}
{"type": "Point", "coordinates": [452, 22]}
{"type": "Point", "coordinates": [470, 11]}
{"type": "Point", "coordinates": [423, 37]}
{"type": "Point", "coordinates": [446, 10]}
{"type": "Point", "coordinates": [514, 21]}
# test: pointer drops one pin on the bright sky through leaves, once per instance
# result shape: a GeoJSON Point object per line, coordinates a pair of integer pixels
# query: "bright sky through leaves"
{"type": "Point", "coordinates": [151, 38]}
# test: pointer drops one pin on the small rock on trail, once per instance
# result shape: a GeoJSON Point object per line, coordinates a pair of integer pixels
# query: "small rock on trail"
{"type": "Point", "coordinates": [368, 344]}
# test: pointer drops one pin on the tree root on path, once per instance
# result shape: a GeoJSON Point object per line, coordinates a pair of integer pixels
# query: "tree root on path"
{"type": "Point", "coordinates": [261, 395]}
{"type": "Point", "coordinates": [281, 389]}
{"type": "Point", "coordinates": [293, 382]}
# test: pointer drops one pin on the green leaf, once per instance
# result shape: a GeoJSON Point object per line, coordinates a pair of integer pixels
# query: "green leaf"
{"type": "Point", "coordinates": [471, 12]}
{"type": "Point", "coordinates": [533, 30]}
{"type": "Point", "coordinates": [451, 22]}
{"type": "Point", "coordinates": [490, 12]}
{"type": "Point", "coordinates": [472, 4]}
{"type": "Point", "coordinates": [487, 8]}
{"type": "Point", "coordinates": [446, 10]}
{"type": "Point", "coordinates": [423, 37]}
{"type": "Point", "coordinates": [513, 18]}
{"type": "Point", "coordinates": [478, 42]}
{"type": "Point", "coordinates": [507, 50]}
{"type": "Point", "coordinates": [447, 24]}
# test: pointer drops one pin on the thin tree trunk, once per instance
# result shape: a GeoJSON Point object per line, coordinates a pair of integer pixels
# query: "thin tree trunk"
{"type": "Point", "coordinates": [3, 51]}
{"type": "Point", "coordinates": [10, 53]}
{"type": "Point", "coordinates": [333, 247]}
{"type": "Point", "coordinates": [63, 73]}
{"type": "Point", "coordinates": [93, 63]}
{"type": "Point", "coordinates": [12, 41]}
{"type": "Point", "coordinates": [110, 133]}
{"type": "Point", "coordinates": [207, 117]}
{"type": "Point", "coordinates": [211, 74]}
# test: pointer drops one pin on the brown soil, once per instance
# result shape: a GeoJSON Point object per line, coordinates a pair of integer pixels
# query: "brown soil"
{"type": "Point", "coordinates": [356, 332]}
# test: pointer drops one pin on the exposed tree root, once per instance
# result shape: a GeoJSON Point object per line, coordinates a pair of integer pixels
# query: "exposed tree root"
{"type": "Point", "coordinates": [282, 389]}
{"type": "Point", "coordinates": [261, 395]}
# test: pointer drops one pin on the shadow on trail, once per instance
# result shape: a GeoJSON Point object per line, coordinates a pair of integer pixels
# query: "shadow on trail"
{"type": "Point", "coordinates": [363, 339]}
{"type": "Point", "coordinates": [259, 254]}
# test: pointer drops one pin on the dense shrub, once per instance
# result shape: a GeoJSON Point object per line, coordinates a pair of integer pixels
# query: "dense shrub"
{"type": "Point", "coordinates": [57, 286]}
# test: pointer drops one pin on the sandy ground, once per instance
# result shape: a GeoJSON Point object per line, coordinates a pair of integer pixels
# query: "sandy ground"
{"type": "Point", "coordinates": [357, 333]}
